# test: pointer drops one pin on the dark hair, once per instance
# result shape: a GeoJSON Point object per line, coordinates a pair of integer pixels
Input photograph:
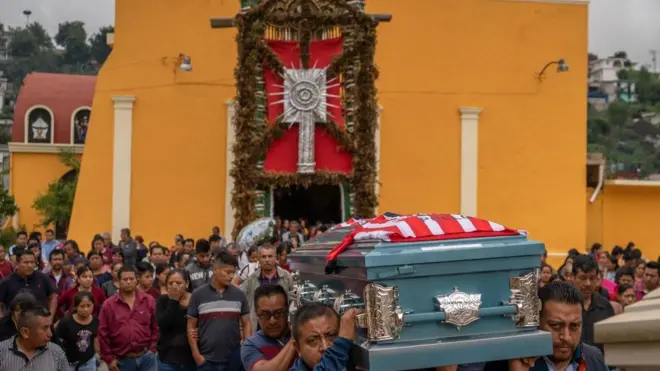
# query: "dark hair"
{"type": "Point", "coordinates": [189, 240]}
{"type": "Point", "coordinates": [214, 238]}
{"type": "Point", "coordinates": [82, 295]}
{"type": "Point", "coordinates": [184, 273]}
{"type": "Point", "coordinates": [152, 248]}
{"type": "Point", "coordinates": [93, 253]}
{"type": "Point", "coordinates": [252, 250]}
{"type": "Point", "coordinates": [584, 263]}
{"type": "Point", "coordinates": [97, 237]}
{"type": "Point", "coordinates": [573, 253]}
{"type": "Point", "coordinates": [545, 265]}
{"type": "Point", "coordinates": [309, 312]}
{"type": "Point", "coordinates": [23, 300]}
{"type": "Point", "coordinates": [202, 246]}
{"type": "Point", "coordinates": [82, 270]}
{"type": "Point", "coordinates": [636, 253]}
{"type": "Point", "coordinates": [622, 288]}
{"type": "Point", "coordinates": [73, 244]}
{"type": "Point", "coordinates": [127, 231]}
{"type": "Point", "coordinates": [628, 256]}
{"type": "Point", "coordinates": [32, 245]}
{"type": "Point", "coordinates": [617, 250]}
{"type": "Point", "coordinates": [561, 292]}
{"type": "Point", "coordinates": [126, 269]}
{"type": "Point", "coordinates": [50, 230]}
{"type": "Point", "coordinates": [225, 258]}
{"type": "Point", "coordinates": [267, 291]}
{"type": "Point", "coordinates": [623, 271]}
{"type": "Point", "coordinates": [653, 265]}
{"type": "Point", "coordinates": [144, 267]}
{"type": "Point", "coordinates": [161, 267]}
{"type": "Point", "coordinates": [21, 233]}
{"type": "Point", "coordinates": [282, 249]}
{"type": "Point", "coordinates": [117, 250]}
{"type": "Point", "coordinates": [27, 316]}
{"type": "Point", "coordinates": [596, 246]}
{"type": "Point", "coordinates": [20, 253]}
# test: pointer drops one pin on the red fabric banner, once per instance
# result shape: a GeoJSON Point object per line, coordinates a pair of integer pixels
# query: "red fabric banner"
{"type": "Point", "coordinates": [282, 156]}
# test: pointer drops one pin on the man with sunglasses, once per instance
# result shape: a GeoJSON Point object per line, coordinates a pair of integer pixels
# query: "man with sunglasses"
{"type": "Point", "coordinates": [270, 348]}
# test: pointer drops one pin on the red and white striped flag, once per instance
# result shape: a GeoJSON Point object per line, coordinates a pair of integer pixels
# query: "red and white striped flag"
{"type": "Point", "coordinates": [417, 227]}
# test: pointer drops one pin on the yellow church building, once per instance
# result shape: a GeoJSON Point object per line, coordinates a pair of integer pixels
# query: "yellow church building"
{"type": "Point", "coordinates": [478, 115]}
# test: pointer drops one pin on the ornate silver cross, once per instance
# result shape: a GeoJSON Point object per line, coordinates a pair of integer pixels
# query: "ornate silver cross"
{"type": "Point", "coordinates": [305, 93]}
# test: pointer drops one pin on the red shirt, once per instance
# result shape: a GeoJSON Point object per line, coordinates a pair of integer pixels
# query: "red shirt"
{"type": "Point", "coordinates": [60, 286]}
{"type": "Point", "coordinates": [6, 269]}
{"type": "Point", "coordinates": [66, 300]}
{"type": "Point", "coordinates": [123, 330]}
{"type": "Point", "coordinates": [154, 292]}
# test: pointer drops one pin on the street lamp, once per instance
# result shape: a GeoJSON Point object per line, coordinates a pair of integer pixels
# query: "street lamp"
{"type": "Point", "coordinates": [27, 13]}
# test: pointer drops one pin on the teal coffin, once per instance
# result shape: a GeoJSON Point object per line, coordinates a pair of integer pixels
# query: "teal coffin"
{"type": "Point", "coordinates": [429, 303]}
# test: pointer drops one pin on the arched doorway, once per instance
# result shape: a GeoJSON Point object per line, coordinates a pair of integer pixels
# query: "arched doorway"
{"type": "Point", "coordinates": [323, 203]}
{"type": "Point", "coordinates": [62, 228]}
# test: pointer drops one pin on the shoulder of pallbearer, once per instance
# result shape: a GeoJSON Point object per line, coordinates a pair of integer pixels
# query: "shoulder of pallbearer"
{"type": "Point", "coordinates": [437, 289]}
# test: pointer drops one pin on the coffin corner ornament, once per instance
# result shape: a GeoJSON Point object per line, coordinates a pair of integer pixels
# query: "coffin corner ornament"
{"type": "Point", "coordinates": [460, 308]}
{"type": "Point", "coordinates": [524, 296]}
{"type": "Point", "coordinates": [383, 316]}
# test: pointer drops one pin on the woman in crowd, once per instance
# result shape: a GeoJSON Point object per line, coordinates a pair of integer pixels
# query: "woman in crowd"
{"type": "Point", "coordinates": [160, 283]}
{"type": "Point", "coordinates": [84, 283]}
{"type": "Point", "coordinates": [71, 251]}
{"type": "Point", "coordinates": [117, 255]}
{"type": "Point", "coordinates": [35, 248]}
{"type": "Point", "coordinates": [639, 271]}
{"type": "Point", "coordinates": [77, 332]}
{"type": "Point", "coordinates": [282, 258]}
{"type": "Point", "coordinates": [251, 267]}
{"type": "Point", "coordinates": [111, 287]}
{"type": "Point", "coordinates": [626, 295]}
{"type": "Point", "coordinates": [171, 309]}
{"type": "Point", "coordinates": [100, 271]}
{"type": "Point", "coordinates": [546, 274]}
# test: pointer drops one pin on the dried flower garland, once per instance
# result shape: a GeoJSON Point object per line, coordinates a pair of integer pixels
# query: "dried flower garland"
{"type": "Point", "coordinates": [253, 133]}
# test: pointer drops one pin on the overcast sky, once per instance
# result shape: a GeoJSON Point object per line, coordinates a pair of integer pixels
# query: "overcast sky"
{"type": "Point", "coordinates": [630, 25]}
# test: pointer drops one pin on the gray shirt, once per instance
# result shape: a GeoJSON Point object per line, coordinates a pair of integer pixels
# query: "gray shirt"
{"type": "Point", "coordinates": [49, 358]}
{"type": "Point", "coordinates": [130, 252]}
{"type": "Point", "coordinates": [218, 317]}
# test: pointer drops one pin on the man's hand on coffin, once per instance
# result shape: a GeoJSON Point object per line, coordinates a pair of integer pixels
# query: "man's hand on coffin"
{"type": "Point", "coordinates": [523, 364]}
{"type": "Point", "coordinates": [347, 328]}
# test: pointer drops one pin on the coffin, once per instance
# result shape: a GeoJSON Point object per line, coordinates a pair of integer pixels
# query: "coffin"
{"type": "Point", "coordinates": [428, 301]}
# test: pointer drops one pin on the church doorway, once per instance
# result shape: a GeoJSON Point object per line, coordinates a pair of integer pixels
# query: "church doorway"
{"type": "Point", "coordinates": [321, 203]}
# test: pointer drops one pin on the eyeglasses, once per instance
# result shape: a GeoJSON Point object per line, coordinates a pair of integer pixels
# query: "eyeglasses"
{"type": "Point", "coordinates": [278, 314]}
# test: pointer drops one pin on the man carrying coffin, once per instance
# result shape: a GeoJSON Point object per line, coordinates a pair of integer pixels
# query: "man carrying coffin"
{"type": "Point", "coordinates": [561, 315]}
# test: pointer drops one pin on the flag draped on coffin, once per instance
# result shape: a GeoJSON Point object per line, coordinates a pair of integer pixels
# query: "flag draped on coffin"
{"type": "Point", "coordinates": [417, 227]}
{"type": "Point", "coordinates": [282, 156]}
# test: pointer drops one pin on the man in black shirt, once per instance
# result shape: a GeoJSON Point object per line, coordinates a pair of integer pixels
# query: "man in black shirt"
{"type": "Point", "coordinates": [596, 307]}
{"type": "Point", "coordinates": [25, 279]}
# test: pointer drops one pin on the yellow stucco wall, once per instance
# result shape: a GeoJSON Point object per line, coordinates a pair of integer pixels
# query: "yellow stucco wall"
{"type": "Point", "coordinates": [626, 213]}
{"type": "Point", "coordinates": [30, 174]}
{"type": "Point", "coordinates": [435, 57]}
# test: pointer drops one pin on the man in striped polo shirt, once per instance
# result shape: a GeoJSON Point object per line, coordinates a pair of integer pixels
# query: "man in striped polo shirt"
{"type": "Point", "coordinates": [270, 348]}
{"type": "Point", "coordinates": [215, 314]}
{"type": "Point", "coordinates": [31, 348]}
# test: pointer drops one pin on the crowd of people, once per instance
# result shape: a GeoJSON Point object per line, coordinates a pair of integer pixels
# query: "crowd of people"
{"type": "Point", "coordinates": [206, 305]}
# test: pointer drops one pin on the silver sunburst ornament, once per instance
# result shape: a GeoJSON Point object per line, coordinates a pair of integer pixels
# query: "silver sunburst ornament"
{"type": "Point", "coordinates": [305, 94]}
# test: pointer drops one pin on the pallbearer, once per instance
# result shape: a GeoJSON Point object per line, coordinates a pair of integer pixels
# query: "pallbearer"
{"type": "Point", "coordinates": [434, 287]}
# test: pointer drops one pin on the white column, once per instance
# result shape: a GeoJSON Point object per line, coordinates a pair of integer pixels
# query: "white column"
{"type": "Point", "coordinates": [469, 159]}
{"type": "Point", "coordinates": [229, 181]}
{"type": "Point", "coordinates": [121, 163]}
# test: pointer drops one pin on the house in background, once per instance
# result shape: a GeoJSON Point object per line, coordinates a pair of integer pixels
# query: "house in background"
{"type": "Point", "coordinates": [51, 114]}
{"type": "Point", "coordinates": [605, 85]}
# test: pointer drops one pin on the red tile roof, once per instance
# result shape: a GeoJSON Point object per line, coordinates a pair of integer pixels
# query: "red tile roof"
{"type": "Point", "coordinates": [63, 94]}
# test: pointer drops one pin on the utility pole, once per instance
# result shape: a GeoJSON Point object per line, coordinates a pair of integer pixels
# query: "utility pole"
{"type": "Point", "coordinates": [654, 56]}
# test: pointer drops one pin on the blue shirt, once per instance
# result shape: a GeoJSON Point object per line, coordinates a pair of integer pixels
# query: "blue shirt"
{"type": "Point", "coordinates": [47, 248]}
{"type": "Point", "coordinates": [334, 358]}
{"type": "Point", "coordinates": [259, 347]}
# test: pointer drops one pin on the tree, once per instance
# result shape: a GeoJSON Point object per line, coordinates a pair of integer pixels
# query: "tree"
{"type": "Point", "coordinates": [592, 57]}
{"type": "Point", "coordinates": [620, 54]}
{"type": "Point", "coordinates": [7, 204]}
{"type": "Point", "coordinates": [30, 50]}
{"type": "Point", "coordinates": [73, 38]}
{"type": "Point", "coordinates": [56, 203]}
{"type": "Point", "coordinates": [99, 45]}
{"type": "Point", "coordinates": [41, 36]}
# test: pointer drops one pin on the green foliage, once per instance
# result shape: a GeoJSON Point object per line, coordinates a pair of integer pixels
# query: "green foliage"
{"type": "Point", "coordinates": [99, 45]}
{"type": "Point", "coordinates": [8, 237]}
{"type": "Point", "coordinates": [56, 203]}
{"type": "Point", "coordinates": [73, 38]}
{"type": "Point", "coordinates": [7, 204]}
{"type": "Point", "coordinates": [621, 133]}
